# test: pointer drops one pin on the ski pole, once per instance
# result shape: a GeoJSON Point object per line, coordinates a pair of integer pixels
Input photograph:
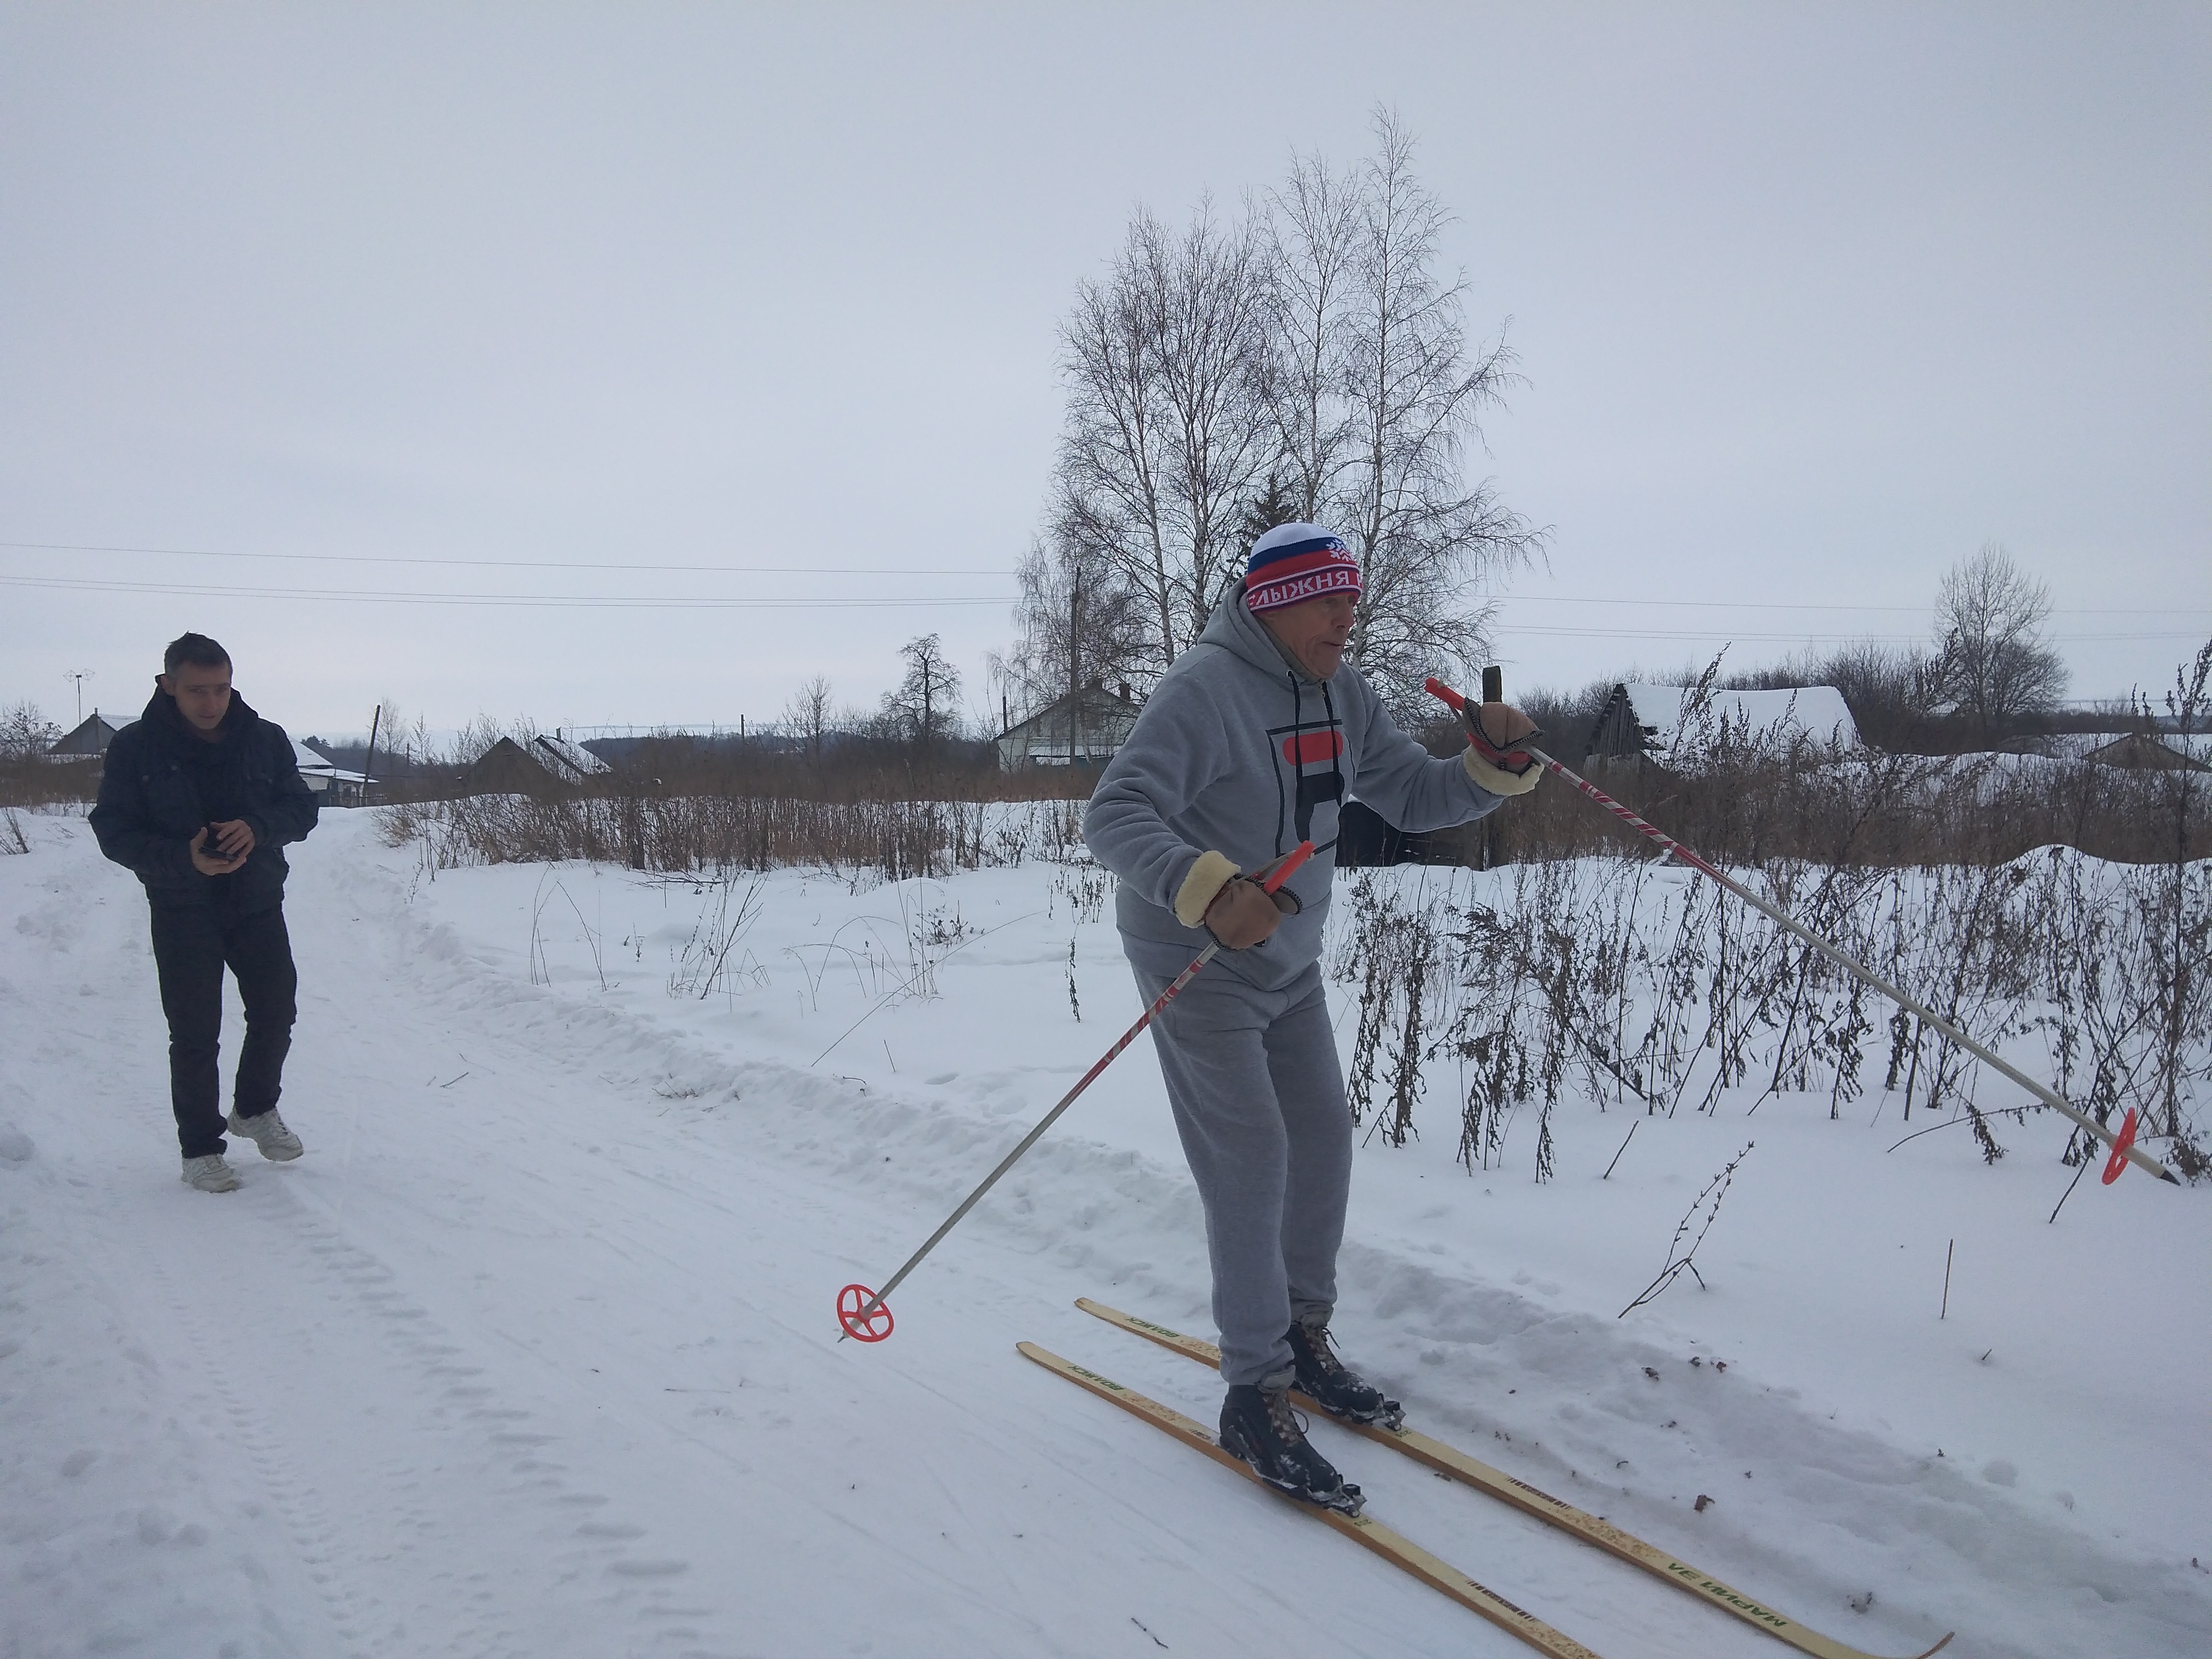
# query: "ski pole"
{"type": "Point", "coordinates": [858, 1307]}
{"type": "Point", "coordinates": [2123, 1143]}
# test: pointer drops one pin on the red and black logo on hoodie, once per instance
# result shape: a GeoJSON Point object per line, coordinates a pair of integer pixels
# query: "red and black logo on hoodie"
{"type": "Point", "coordinates": [1309, 773]}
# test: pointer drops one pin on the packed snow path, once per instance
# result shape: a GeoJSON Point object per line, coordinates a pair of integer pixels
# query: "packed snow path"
{"type": "Point", "coordinates": [533, 1353]}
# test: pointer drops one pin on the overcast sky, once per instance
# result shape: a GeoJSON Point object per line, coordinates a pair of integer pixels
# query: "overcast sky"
{"type": "Point", "coordinates": [1812, 301]}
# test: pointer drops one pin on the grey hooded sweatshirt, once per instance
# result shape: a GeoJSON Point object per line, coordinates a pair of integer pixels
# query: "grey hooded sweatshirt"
{"type": "Point", "coordinates": [1242, 752]}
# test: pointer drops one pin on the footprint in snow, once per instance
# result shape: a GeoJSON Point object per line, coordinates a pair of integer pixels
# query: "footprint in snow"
{"type": "Point", "coordinates": [648, 1569]}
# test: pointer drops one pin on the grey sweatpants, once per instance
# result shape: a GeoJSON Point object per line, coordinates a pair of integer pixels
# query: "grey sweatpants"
{"type": "Point", "coordinates": [1258, 1097]}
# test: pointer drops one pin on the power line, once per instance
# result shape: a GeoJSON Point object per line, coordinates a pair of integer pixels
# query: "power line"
{"type": "Point", "coordinates": [555, 601]}
{"type": "Point", "coordinates": [631, 601]}
{"type": "Point", "coordinates": [501, 564]}
{"type": "Point", "coordinates": [649, 602]}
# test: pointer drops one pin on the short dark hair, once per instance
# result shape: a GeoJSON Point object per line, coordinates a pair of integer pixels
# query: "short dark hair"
{"type": "Point", "coordinates": [195, 648]}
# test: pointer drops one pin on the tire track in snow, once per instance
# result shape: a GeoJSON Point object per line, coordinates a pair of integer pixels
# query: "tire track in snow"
{"type": "Point", "coordinates": [315, 1538]}
{"type": "Point", "coordinates": [513, 1448]}
{"type": "Point", "coordinates": [381, 1549]}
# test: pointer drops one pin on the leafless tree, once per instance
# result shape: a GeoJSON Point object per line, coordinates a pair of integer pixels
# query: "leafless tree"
{"type": "Point", "coordinates": [1314, 226]}
{"type": "Point", "coordinates": [25, 732]}
{"type": "Point", "coordinates": [1310, 363]}
{"type": "Point", "coordinates": [925, 707]}
{"type": "Point", "coordinates": [1414, 394]}
{"type": "Point", "coordinates": [809, 716]}
{"type": "Point", "coordinates": [1991, 662]}
{"type": "Point", "coordinates": [484, 732]}
{"type": "Point", "coordinates": [1168, 425]}
{"type": "Point", "coordinates": [1078, 624]}
{"type": "Point", "coordinates": [400, 746]}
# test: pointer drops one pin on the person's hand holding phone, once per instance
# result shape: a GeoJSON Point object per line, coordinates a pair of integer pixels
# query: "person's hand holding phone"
{"type": "Point", "coordinates": [219, 848]}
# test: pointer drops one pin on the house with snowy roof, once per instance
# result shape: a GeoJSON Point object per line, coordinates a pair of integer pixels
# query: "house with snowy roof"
{"type": "Point", "coordinates": [334, 786]}
{"type": "Point", "coordinates": [543, 764]}
{"type": "Point", "coordinates": [1683, 725]}
{"type": "Point", "coordinates": [567, 760]}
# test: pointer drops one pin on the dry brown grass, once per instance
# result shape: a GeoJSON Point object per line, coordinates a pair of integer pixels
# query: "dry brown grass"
{"type": "Point", "coordinates": [1884, 810]}
{"type": "Point", "coordinates": [891, 839]}
{"type": "Point", "coordinates": [34, 781]}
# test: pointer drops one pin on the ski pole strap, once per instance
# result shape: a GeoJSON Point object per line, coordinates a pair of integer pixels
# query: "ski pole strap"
{"type": "Point", "coordinates": [1516, 757]}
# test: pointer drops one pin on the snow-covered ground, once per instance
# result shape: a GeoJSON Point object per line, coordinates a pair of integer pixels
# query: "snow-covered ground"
{"type": "Point", "coordinates": [533, 1354]}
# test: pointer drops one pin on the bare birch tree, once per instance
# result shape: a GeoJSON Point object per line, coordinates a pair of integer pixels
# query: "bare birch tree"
{"type": "Point", "coordinates": [1414, 395]}
{"type": "Point", "coordinates": [1168, 426]}
{"type": "Point", "coordinates": [1310, 363]}
{"type": "Point", "coordinates": [1314, 226]}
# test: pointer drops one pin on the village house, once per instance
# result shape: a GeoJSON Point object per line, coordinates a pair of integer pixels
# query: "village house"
{"type": "Point", "coordinates": [2139, 751]}
{"type": "Point", "coordinates": [543, 764]}
{"type": "Point", "coordinates": [1084, 728]}
{"type": "Point", "coordinates": [88, 741]}
{"type": "Point", "coordinates": [333, 785]}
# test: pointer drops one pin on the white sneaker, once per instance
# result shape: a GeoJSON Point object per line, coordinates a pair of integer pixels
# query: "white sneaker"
{"type": "Point", "coordinates": [266, 1130]}
{"type": "Point", "coordinates": [210, 1173]}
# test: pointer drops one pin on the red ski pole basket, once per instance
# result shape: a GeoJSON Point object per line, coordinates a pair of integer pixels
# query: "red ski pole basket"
{"type": "Point", "coordinates": [876, 1326]}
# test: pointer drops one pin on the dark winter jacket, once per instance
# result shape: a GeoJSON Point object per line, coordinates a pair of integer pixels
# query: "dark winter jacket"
{"type": "Point", "coordinates": [163, 783]}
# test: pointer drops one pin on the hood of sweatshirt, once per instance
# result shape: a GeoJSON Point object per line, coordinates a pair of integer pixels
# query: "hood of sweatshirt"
{"type": "Point", "coordinates": [1233, 628]}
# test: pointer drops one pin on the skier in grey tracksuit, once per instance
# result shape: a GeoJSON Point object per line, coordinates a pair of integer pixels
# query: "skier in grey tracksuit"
{"type": "Point", "coordinates": [1248, 747]}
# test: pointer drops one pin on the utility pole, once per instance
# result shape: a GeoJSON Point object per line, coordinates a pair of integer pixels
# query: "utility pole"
{"type": "Point", "coordinates": [369, 759]}
{"type": "Point", "coordinates": [80, 675]}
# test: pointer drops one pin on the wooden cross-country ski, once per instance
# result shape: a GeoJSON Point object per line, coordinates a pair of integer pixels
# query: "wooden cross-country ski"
{"type": "Point", "coordinates": [1398, 1551]}
{"type": "Point", "coordinates": [1451, 1461]}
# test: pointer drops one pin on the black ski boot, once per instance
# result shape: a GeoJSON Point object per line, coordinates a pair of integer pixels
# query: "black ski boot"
{"type": "Point", "coordinates": [1258, 1426]}
{"type": "Point", "coordinates": [1323, 1380]}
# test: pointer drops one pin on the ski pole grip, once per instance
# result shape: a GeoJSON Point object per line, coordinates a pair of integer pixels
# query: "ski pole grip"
{"type": "Point", "coordinates": [1493, 683]}
{"type": "Point", "coordinates": [1289, 868]}
{"type": "Point", "coordinates": [1445, 694]}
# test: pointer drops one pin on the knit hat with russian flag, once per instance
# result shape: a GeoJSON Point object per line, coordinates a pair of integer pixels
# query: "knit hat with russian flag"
{"type": "Point", "coordinates": [1295, 563]}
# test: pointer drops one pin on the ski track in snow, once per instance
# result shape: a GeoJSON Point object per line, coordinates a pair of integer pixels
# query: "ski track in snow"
{"type": "Point", "coordinates": [534, 1357]}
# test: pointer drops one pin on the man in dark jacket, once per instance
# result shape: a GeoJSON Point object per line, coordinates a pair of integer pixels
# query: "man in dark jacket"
{"type": "Point", "coordinates": [198, 796]}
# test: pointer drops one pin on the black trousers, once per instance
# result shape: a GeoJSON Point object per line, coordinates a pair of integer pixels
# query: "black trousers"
{"type": "Point", "coordinates": [191, 947]}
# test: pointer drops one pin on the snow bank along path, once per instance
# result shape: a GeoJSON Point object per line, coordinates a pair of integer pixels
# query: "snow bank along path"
{"type": "Point", "coordinates": [533, 1354]}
